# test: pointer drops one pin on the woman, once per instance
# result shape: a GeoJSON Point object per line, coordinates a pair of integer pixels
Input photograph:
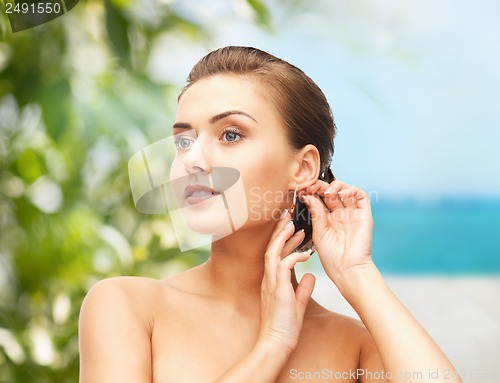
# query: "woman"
{"type": "Point", "coordinates": [242, 316]}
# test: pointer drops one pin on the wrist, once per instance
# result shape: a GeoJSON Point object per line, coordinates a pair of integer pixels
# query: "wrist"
{"type": "Point", "coordinates": [272, 353]}
{"type": "Point", "coordinates": [263, 364]}
{"type": "Point", "coordinates": [352, 281]}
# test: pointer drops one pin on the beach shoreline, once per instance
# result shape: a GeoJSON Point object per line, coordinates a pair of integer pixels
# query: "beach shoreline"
{"type": "Point", "coordinates": [461, 313]}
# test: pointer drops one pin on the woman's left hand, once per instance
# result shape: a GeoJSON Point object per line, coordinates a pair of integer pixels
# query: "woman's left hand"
{"type": "Point", "coordinates": [342, 230]}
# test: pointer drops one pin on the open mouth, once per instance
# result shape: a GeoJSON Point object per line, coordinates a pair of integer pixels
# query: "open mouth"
{"type": "Point", "coordinates": [198, 193]}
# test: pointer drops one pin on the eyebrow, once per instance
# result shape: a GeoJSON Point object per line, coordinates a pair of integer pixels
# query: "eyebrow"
{"type": "Point", "coordinates": [228, 113]}
{"type": "Point", "coordinates": [182, 125]}
{"type": "Point", "coordinates": [214, 119]}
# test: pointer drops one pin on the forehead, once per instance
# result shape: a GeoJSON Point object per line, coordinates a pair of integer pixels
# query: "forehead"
{"type": "Point", "coordinates": [218, 93]}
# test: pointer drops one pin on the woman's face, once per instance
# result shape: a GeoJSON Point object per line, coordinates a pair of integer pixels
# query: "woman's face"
{"type": "Point", "coordinates": [229, 138]}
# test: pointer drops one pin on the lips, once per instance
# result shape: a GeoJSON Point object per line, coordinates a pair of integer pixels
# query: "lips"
{"type": "Point", "coordinates": [198, 193]}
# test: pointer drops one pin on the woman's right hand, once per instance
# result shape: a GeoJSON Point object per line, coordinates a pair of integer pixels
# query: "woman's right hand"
{"type": "Point", "coordinates": [283, 308]}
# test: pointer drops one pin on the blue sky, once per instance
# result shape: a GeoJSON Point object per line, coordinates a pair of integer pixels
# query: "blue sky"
{"type": "Point", "coordinates": [414, 87]}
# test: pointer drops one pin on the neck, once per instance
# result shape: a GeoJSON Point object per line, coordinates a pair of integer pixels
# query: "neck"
{"type": "Point", "coordinates": [236, 265]}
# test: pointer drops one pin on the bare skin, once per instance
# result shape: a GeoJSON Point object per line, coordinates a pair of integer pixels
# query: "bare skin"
{"type": "Point", "coordinates": [185, 346]}
{"type": "Point", "coordinates": [242, 316]}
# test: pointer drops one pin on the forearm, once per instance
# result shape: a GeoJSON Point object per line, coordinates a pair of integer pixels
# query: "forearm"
{"type": "Point", "coordinates": [403, 344]}
{"type": "Point", "coordinates": [263, 364]}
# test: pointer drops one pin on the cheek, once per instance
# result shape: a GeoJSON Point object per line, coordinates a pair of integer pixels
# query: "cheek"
{"type": "Point", "coordinates": [175, 169]}
{"type": "Point", "coordinates": [265, 183]}
{"type": "Point", "coordinates": [268, 167]}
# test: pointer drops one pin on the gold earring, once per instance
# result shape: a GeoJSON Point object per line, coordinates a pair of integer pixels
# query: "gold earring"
{"type": "Point", "coordinates": [294, 198]}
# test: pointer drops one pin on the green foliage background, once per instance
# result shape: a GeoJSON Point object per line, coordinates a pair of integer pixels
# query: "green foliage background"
{"type": "Point", "coordinates": [67, 131]}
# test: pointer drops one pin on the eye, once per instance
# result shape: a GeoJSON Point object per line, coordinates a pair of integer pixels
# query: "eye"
{"type": "Point", "coordinates": [231, 135]}
{"type": "Point", "coordinates": [183, 142]}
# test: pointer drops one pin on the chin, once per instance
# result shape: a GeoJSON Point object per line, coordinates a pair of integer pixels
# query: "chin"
{"type": "Point", "coordinates": [213, 218]}
{"type": "Point", "coordinates": [213, 223]}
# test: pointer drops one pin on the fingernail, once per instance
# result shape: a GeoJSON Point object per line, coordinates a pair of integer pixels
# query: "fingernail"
{"type": "Point", "coordinates": [283, 215]}
{"type": "Point", "coordinates": [300, 231]}
{"type": "Point", "coordinates": [329, 190]}
{"type": "Point", "coordinates": [289, 224]}
{"type": "Point", "coordinates": [304, 199]}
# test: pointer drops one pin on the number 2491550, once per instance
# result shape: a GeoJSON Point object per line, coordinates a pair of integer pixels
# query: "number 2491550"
{"type": "Point", "coordinates": [33, 8]}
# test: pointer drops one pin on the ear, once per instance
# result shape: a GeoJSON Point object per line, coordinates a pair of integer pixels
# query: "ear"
{"type": "Point", "coordinates": [307, 167]}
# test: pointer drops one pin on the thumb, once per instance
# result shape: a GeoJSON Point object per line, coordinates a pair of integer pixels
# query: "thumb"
{"type": "Point", "coordinates": [303, 294]}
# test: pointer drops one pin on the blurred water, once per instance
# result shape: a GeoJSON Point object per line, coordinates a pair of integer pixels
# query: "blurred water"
{"type": "Point", "coordinates": [444, 237]}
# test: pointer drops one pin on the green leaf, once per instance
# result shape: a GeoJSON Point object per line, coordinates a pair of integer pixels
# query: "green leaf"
{"type": "Point", "coordinates": [117, 30]}
{"type": "Point", "coordinates": [262, 13]}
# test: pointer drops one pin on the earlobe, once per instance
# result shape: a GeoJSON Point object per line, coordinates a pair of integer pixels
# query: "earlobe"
{"type": "Point", "coordinates": [294, 201]}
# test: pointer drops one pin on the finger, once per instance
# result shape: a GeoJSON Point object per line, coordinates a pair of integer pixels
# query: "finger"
{"type": "Point", "coordinates": [273, 254]}
{"type": "Point", "coordinates": [303, 294]}
{"type": "Point", "coordinates": [322, 187]}
{"type": "Point", "coordinates": [333, 201]}
{"type": "Point", "coordinates": [317, 187]}
{"type": "Point", "coordinates": [283, 220]}
{"type": "Point", "coordinates": [277, 243]}
{"type": "Point", "coordinates": [292, 243]}
{"type": "Point", "coordinates": [284, 272]}
{"type": "Point", "coordinates": [290, 261]}
{"type": "Point", "coordinates": [331, 197]}
{"type": "Point", "coordinates": [329, 192]}
{"type": "Point", "coordinates": [354, 197]}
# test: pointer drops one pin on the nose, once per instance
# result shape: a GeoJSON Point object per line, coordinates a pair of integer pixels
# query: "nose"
{"type": "Point", "coordinates": [195, 161]}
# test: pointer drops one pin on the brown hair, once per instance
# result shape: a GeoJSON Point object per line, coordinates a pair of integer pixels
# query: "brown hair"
{"type": "Point", "coordinates": [301, 103]}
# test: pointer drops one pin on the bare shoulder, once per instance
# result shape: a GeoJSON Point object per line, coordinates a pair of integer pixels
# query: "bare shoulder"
{"type": "Point", "coordinates": [360, 340]}
{"type": "Point", "coordinates": [125, 288]}
{"type": "Point", "coordinates": [116, 321]}
{"type": "Point", "coordinates": [136, 299]}
{"type": "Point", "coordinates": [342, 337]}
{"type": "Point", "coordinates": [134, 294]}
{"type": "Point", "coordinates": [340, 324]}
